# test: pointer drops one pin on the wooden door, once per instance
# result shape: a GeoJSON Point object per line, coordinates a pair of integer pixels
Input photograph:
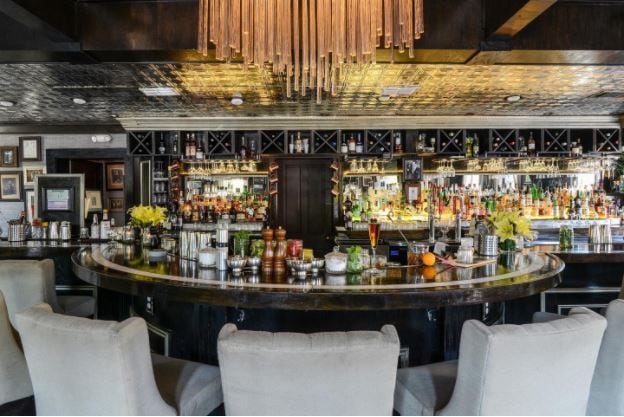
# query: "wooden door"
{"type": "Point", "coordinates": [305, 202]}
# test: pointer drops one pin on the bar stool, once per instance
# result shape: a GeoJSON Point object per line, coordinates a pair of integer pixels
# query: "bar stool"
{"type": "Point", "coordinates": [26, 283]}
{"type": "Point", "coordinates": [92, 367]}
{"type": "Point", "coordinates": [14, 379]}
{"type": "Point", "coordinates": [543, 369]}
{"type": "Point", "coordinates": [337, 373]}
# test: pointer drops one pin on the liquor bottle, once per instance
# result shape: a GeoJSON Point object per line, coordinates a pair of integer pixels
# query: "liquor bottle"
{"type": "Point", "coordinates": [161, 145]}
{"type": "Point", "coordinates": [105, 225]}
{"type": "Point", "coordinates": [174, 144]}
{"type": "Point", "coordinates": [232, 213]}
{"type": "Point", "coordinates": [359, 146]}
{"type": "Point", "coordinates": [252, 148]}
{"type": "Point", "coordinates": [306, 145]}
{"type": "Point", "coordinates": [469, 143]}
{"type": "Point", "coordinates": [521, 145]}
{"type": "Point", "coordinates": [475, 146]}
{"type": "Point", "coordinates": [193, 147]}
{"type": "Point", "coordinates": [95, 227]}
{"type": "Point", "coordinates": [187, 146]}
{"type": "Point", "coordinates": [291, 144]}
{"type": "Point", "coordinates": [298, 143]}
{"type": "Point", "coordinates": [344, 148]}
{"type": "Point", "coordinates": [199, 152]}
{"type": "Point", "coordinates": [243, 150]}
{"type": "Point", "coordinates": [352, 144]}
{"type": "Point", "coordinates": [398, 145]}
{"type": "Point", "coordinates": [531, 145]}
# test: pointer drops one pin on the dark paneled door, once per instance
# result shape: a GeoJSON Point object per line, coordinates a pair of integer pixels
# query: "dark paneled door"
{"type": "Point", "coordinates": [305, 202]}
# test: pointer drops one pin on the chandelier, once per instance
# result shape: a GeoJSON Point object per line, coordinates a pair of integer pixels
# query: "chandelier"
{"type": "Point", "coordinates": [308, 41]}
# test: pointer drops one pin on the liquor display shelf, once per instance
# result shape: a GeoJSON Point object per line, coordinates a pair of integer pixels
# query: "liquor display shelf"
{"type": "Point", "coordinates": [502, 142]}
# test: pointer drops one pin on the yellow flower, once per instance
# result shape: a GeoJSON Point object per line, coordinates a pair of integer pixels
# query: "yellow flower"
{"type": "Point", "coordinates": [509, 225]}
{"type": "Point", "coordinates": [145, 216]}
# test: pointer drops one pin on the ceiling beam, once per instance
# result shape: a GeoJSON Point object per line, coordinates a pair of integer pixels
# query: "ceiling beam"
{"type": "Point", "coordinates": [521, 19]}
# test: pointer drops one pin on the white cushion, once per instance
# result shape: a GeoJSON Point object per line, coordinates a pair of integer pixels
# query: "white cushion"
{"type": "Point", "coordinates": [14, 379]}
{"type": "Point", "coordinates": [333, 373]}
{"type": "Point", "coordinates": [194, 389]}
{"type": "Point", "coordinates": [422, 390]}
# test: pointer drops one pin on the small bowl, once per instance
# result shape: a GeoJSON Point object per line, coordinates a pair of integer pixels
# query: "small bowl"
{"type": "Point", "coordinates": [301, 268]}
{"type": "Point", "coordinates": [236, 263]}
{"type": "Point", "coordinates": [317, 263]}
{"type": "Point", "coordinates": [289, 264]}
{"type": "Point", "coordinates": [254, 263]}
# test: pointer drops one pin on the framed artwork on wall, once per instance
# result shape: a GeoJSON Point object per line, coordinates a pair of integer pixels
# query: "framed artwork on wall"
{"type": "Point", "coordinates": [30, 148]}
{"type": "Point", "coordinates": [30, 172]}
{"type": "Point", "coordinates": [93, 200]}
{"type": "Point", "coordinates": [412, 169]}
{"type": "Point", "coordinates": [10, 186]}
{"type": "Point", "coordinates": [9, 156]}
{"type": "Point", "coordinates": [115, 204]}
{"type": "Point", "coordinates": [114, 176]}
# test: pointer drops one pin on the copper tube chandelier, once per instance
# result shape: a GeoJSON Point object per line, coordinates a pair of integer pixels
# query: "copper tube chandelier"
{"type": "Point", "coordinates": [308, 41]}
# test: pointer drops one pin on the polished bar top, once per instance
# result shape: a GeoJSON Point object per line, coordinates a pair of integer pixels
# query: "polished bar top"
{"type": "Point", "coordinates": [127, 269]}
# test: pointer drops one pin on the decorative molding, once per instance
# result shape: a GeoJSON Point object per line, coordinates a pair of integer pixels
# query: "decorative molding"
{"type": "Point", "coordinates": [380, 122]}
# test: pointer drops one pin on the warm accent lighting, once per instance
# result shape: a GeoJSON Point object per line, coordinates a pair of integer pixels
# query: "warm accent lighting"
{"type": "Point", "coordinates": [308, 40]}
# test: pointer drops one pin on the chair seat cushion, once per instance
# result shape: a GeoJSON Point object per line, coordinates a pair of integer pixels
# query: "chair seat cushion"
{"type": "Point", "coordinates": [422, 390]}
{"type": "Point", "coordinates": [193, 388]}
{"type": "Point", "coordinates": [77, 305]}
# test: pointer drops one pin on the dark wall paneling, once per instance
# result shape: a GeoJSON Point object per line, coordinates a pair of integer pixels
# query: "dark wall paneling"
{"type": "Point", "coordinates": [138, 25]}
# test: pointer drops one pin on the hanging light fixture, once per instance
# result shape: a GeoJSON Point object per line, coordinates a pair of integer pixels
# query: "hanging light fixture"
{"type": "Point", "coordinates": [308, 41]}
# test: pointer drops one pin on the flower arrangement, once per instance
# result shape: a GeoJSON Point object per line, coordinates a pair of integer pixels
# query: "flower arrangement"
{"type": "Point", "coordinates": [508, 226]}
{"type": "Point", "coordinates": [146, 216]}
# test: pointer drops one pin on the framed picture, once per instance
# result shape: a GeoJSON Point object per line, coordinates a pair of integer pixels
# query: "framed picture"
{"type": "Point", "coordinates": [10, 187]}
{"type": "Point", "coordinates": [114, 176]}
{"type": "Point", "coordinates": [30, 172]}
{"type": "Point", "coordinates": [29, 204]}
{"type": "Point", "coordinates": [93, 200]}
{"type": "Point", "coordinates": [9, 156]}
{"type": "Point", "coordinates": [115, 204]}
{"type": "Point", "coordinates": [30, 148]}
{"type": "Point", "coordinates": [412, 169]}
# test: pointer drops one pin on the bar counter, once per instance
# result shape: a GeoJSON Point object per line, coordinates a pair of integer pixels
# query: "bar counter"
{"type": "Point", "coordinates": [128, 269]}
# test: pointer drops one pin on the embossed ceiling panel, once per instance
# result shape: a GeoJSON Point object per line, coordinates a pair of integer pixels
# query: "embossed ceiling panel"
{"type": "Point", "coordinates": [43, 92]}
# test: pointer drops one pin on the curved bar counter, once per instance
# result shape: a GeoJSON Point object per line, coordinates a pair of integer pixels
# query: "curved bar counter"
{"type": "Point", "coordinates": [126, 269]}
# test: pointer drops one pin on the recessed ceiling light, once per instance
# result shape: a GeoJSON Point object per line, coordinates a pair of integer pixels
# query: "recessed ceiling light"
{"type": "Point", "coordinates": [6, 103]}
{"type": "Point", "coordinates": [513, 99]}
{"type": "Point", "coordinates": [159, 91]}
{"type": "Point", "coordinates": [114, 115]}
{"type": "Point", "coordinates": [399, 90]}
{"type": "Point", "coordinates": [78, 100]}
{"type": "Point", "coordinates": [383, 98]}
{"type": "Point", "coordinates": [237, 99]}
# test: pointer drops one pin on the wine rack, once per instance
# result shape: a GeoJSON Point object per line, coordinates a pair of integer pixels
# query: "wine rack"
{"type": "Point", "coordinates": [555, 141]}
{"type": "Point", "coordinates": [325, 141]}
{"type": "Point", "coordinates": [378, 141]}
{"type": "Point", "coordinates": [451, 142]}
{"type": "Point", "coordinates": [503, 142]}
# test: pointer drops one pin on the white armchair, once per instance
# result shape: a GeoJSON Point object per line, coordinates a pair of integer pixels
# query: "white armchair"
{"type": "Point", "coordinates": [92, 367]}
{"type": "Point", "coordinates": [26, 283]}
{"type": "Point", "coordinates": [337, 373]}
{"type": "Point", "coordinates": [533, 369]}
{"type": "Point", "coordinates": [14, 379]}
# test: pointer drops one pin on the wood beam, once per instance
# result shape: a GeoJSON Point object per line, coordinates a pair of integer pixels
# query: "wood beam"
{"type": "Point", "coordinates": [521, 19]}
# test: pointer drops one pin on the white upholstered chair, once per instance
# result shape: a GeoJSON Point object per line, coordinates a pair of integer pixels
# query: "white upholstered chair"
{"type": "Point", "coordinates": [333, 373]}
{"type": "Point", "coordinates": [14, 379]}
{"type": "Point", "coordinates": [606, 397]}
{"type": "Point", "coordinates": [92, 367]}
{"type": "Point", "coordinates": [26, 283]}
{"type": "Point", "coordinates": [543, 369]}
